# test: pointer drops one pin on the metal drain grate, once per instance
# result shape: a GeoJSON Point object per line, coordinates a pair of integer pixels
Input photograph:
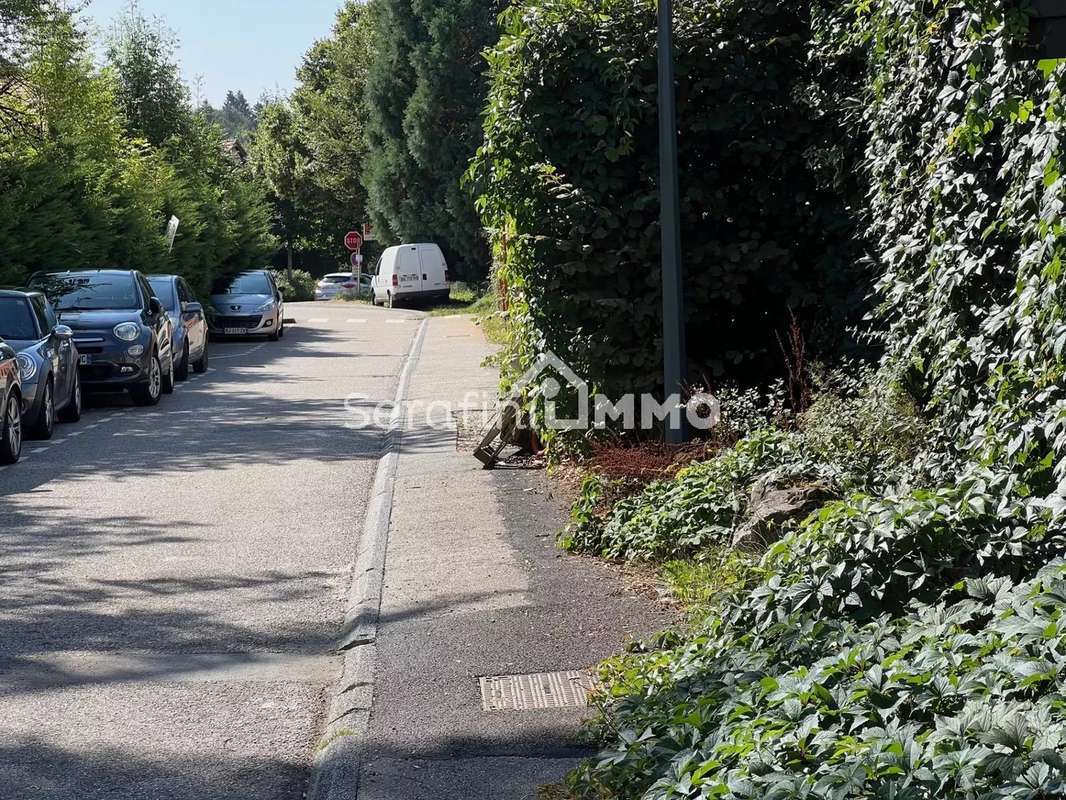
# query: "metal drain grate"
{"type": "Point", "coordinates": [543, 690]}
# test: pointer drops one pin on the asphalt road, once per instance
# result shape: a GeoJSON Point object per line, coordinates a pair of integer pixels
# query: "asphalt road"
{"type": "Point", "coordinates": [173, 580]}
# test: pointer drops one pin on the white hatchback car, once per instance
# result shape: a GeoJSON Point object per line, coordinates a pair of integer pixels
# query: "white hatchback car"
{"type": "Point", "coordinates": [338, 283]}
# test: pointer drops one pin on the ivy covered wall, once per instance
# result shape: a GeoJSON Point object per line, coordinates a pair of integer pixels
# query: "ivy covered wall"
{"type": "Point", "coordinates": [908, 642]}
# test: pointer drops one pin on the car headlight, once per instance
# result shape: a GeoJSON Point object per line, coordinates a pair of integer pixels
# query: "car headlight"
{"type": "Point", "coordinates": [269, 304]}
{"type": "Point", "coordinates": [128, 331]}
{"type": "Point", "coordinates": [27, 367]}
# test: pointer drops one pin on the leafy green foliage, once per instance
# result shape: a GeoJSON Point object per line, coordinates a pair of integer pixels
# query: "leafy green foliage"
{"type": "Point", "coordinates": [330, 108]}
{"type": "Point", "coordinates": [24, 26]}
{"type": "Point", "coordinates": [956, 700]}
{"type": "Point", "coordinates": [698, 583]}
{"type": "Point", "coordinates": [425, 95]}
{"type": "Point", "coordinates": [237, 118]}
{"type": "Point", "coordinates": [680, 517]}
{"type": "Point", "coordinates": [77, 191]}
{"type": "Point", "coordinates": [279, 161]}
{"type": "Point", "coordinates": [301, 288]}
{"type": "Point", "coordinates": [148, 88]}
{"type": "Point", "coordinates": [872, 438]}
{"type": "Point", "coordinates": [310, 150]}
{"type": "Point", "coordinates": [846, 444]}
{"type": "Point", "coordinates": [570, 186]}
{"type": "Point", "coordinates": [905, 643]}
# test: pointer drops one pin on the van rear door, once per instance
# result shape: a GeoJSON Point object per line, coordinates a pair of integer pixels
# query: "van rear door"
{"type": "Point", "coordinates": [434, 269]}
{"type": "Point", "coordinates": [408, 271]}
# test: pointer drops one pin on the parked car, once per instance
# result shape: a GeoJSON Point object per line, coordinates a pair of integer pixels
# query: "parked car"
{"type": "Point", "coordinates": [247, 304]}
{"type": "Point", "coordinates": [339, 283]}
{"type": "Point", "coordinates": [47, 360]}
{"type": "Point", "coordinates": [122, 332]}
{"type": "Point", "coordinates": [409, 273]}
{"type": "Point", "coordinates": [10, 406]}
{"type": "Point", "coordinates": [189, 342]}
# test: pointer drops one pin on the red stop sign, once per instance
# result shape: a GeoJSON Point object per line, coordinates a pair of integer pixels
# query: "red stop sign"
{"type": "Point", "coordinates": [353, 241]}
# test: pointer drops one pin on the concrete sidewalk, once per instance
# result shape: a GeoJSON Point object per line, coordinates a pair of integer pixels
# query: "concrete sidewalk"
{"type": "Point", "coordinates": [474, 586]}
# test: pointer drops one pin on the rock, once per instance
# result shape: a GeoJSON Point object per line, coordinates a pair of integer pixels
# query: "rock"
{"type": "Point", "coordinates": [771, 510]}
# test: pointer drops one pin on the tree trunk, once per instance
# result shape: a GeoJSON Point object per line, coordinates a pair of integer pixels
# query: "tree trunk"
{"type": "Point", "coordinates": [288, 253]}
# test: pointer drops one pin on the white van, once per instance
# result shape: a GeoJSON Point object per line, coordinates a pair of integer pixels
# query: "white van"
{"type": "Point", "coordinates": [411, 272]}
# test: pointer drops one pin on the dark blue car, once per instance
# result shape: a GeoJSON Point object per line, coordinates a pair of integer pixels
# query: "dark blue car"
{"type": "Point", "coordinates": [121, 330]}
{"type": "Point", "coordinates": [189, 342]}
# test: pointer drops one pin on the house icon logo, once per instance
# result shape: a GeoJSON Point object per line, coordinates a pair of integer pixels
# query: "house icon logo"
{"type": "Point", "coordinates": [544, 382]}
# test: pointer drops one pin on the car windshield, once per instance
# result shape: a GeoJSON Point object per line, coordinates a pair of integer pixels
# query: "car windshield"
{"type": "Point", "coordinates": [90, 292]}
{"type": "Point", "coordinates": [164, 290]}
{"type": "Point", "coordinates": [16, 319]}
{"type": "Point", "coordinates": [245, 283]}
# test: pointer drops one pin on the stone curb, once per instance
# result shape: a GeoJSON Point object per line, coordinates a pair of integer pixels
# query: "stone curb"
{"type": "Point", "coordinates": [335, 774]}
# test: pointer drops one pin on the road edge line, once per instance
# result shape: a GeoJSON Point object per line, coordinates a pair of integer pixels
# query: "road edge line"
{"type": "Point", "coordinates": [338, 763]}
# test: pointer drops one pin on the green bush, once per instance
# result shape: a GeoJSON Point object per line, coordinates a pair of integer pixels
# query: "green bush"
{"type": "Point", "coordinates": [300, 289]}
{"type": "Point", "coordinates": [76, 174]}
{"type": "Point", "coordinates": [866, 443]}
{"type": "Point", "coordinates": [568, 174]}
{"type": "Point", "coordinates": [698, 509]}
{"type": "Point", "coordinates": [872, 440]}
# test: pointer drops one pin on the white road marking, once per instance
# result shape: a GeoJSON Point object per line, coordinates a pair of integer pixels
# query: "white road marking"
{"type": "Point", "coordinates": [238, 355]}
{"type": "Point", "coordinates": [397, 321]}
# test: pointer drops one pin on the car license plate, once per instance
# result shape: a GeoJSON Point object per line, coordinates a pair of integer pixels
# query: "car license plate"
{"type": "Point", "coordinates": [235, 331]}
{"type": "Point", "coordinates": [85, 360]}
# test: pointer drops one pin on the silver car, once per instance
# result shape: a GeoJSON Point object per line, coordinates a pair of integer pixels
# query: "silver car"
{"type": "Point", "coordinates": [247, 304]}
{"type": "Point", "coordinates": [338, 284]}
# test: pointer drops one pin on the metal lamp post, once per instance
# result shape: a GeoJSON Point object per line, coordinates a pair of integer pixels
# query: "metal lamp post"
{"type": "Point", "coordinates": [672, 282]}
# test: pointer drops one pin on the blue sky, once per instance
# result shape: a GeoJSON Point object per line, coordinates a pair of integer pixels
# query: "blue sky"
{"type": "Point", "coordinates": [251, 45]}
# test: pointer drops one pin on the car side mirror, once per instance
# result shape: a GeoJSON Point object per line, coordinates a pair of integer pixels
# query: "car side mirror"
{"type": "Point", "coordinates": [155, 306]}
{"type": "Point", "coordinates": [193, 308]}
{"type": "Point", "coordinates": [63, 332]}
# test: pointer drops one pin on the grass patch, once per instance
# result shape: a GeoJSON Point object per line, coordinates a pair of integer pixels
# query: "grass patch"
{"type": "Point", "coordinates": [697, 584]}
{"type": "Point", "coordinates": [463, 298]}
{"type": "Point", "coordinates": [486, 310]}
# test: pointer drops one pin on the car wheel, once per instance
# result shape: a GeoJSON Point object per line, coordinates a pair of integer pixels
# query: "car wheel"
{"type": "Point", "coordinates": [72, 411]}
{"type": "Point", "coordinates": [149, 392]}
{"type": "Point", "coordinates": [11, 431]}
{"type": "Point", "coordinates": [45, 425]}
{"type": "Point", "coordinates": [168, 378]}
{"type": "Point", "coordinates": [181, 372]}
{"type": "Point", "coordinates": [200, 365]}
{"type": "Point", "coordinates": [281, 326]}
